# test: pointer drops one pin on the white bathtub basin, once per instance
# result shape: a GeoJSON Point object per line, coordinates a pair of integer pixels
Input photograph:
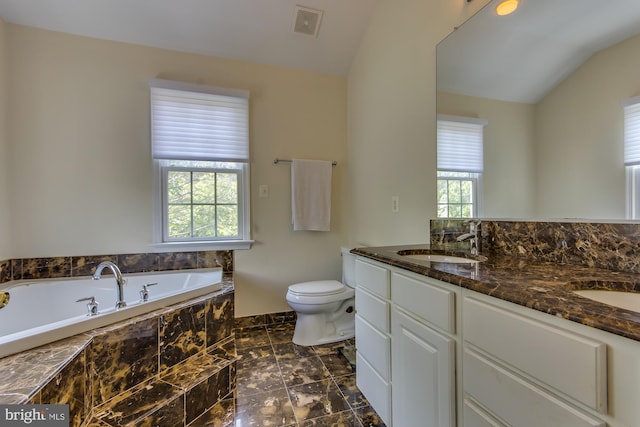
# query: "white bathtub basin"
{"type": "Point", "coordinates": [626, 300]}
{"type": "Point", "coordinates": [43, 311]}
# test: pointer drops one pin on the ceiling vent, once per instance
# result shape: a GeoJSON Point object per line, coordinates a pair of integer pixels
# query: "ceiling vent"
{"type": "Point", "coordinates": [307, 21]}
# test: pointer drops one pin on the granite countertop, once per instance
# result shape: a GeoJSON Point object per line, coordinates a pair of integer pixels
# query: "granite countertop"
{"type": "Point", "coordinates": [542, 286]}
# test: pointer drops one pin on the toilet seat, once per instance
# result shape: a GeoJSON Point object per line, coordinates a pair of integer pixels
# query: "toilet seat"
{"type": "Point", "coordinates": [317, 288]}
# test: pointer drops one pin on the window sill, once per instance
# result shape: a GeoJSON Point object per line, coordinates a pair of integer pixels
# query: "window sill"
{"type": "Point", "coordinates": [202, 246]}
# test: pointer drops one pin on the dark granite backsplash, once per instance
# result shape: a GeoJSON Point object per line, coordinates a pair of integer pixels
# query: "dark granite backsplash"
{"type": "Point", "coordinates": [73, 266]}
{"type": "Point", "coordinates": [613, 246]}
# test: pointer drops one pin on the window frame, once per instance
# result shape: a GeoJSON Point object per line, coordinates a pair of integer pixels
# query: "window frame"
{"type": "Point", "coordinates": [160, 166]}
{"type": "Point", "coordinates": [165, 170]}
{"type": "Point", "coordinates": [159, 217]}
{"type": "Point", "coordinates": [476, 179]}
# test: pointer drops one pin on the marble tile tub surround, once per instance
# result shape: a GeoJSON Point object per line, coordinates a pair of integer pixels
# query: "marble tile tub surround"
{"type": "Point", "coordinates": [84, 265]}
{"type": "Point", "coordinates": [612, 246]}
{"type": "Point", "coordinates": [169, 366]}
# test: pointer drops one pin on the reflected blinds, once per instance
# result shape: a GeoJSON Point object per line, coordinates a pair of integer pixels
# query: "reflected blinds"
{"type": "Point", "coordinates": [460, 144]}
{"type": "Point", "coordinates": [632, 132]}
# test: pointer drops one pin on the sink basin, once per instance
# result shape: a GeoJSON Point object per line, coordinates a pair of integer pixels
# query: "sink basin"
{"type": "Point", "coordinates": [422, 255]}
{"type": "Point", "coordinates": [620, 299]}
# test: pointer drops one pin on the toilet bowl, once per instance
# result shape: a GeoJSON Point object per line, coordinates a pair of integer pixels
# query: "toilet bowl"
{"type": "Point", "coordinates": [325, 309]}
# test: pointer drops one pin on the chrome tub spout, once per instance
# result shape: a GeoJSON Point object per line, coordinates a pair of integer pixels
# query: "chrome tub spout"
{"type": "Point", "coordinates": [120, 303]}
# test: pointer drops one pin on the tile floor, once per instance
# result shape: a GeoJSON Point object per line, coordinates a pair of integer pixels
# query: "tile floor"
{"type": "Point", "coordinates": [282, 384]}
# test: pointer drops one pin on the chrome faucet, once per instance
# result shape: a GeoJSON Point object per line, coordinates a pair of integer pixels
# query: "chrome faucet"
{"type": "Point", "coordinates": [473, 236]}
{"type": "Point", "coordinates": [120, 303]}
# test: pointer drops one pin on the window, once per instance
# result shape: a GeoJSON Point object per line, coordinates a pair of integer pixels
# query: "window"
{"type": "Point", "coordinates": [632, 155]}
{"type": "Point", "coordinates": [200, 150]}
{"type": "Point", "coordinates": [460, 164]}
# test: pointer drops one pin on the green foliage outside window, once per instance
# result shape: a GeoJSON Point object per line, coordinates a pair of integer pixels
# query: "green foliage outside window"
{"type": "Point", "coordinates": [202, 203]}
{"type": "Point", "coordinates": [456, 194]}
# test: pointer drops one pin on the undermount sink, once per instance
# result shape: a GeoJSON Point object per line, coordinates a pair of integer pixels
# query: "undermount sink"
{"type": "Point", "coordinates": [620, 299]}
{"type": "Point", "coordinates": [421, 255]}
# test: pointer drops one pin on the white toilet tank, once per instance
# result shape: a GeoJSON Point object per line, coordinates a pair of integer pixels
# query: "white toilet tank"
{"type": "Point", "coordinates": [348, 268]}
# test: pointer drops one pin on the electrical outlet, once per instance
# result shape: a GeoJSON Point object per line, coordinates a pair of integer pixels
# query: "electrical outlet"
{"type": "Point", "coordinates": [395, 204]}
{"type": "Point", "coordinates": [264, 191]}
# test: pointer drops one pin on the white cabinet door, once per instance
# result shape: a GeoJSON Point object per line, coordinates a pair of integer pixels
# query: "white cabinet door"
{"type": "Point", "coordinates": [422, 374]}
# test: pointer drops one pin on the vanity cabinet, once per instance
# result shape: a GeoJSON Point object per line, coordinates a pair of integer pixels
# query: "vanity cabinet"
{"type": "Point", "coordinates": [435, 354]}
{"type": "Point", "coordinates": [405, 341]}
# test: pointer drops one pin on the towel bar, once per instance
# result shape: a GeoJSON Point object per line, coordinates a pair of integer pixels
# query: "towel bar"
{"type": "Point", "coordinates": [276, 161]}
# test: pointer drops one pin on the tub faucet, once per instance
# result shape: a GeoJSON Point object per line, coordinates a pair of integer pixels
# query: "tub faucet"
{"type": "Point", "coordinates": [473, 236]}
{"type": "Point", "coordinates": [119, 280]}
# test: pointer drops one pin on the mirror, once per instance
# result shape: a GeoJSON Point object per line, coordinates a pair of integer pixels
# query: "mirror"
{"type": "Point", "coordinates": [550, 80]}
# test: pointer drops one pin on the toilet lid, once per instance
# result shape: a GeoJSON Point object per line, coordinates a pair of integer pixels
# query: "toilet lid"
{"type": "Point", "coordinates": [318, 288]}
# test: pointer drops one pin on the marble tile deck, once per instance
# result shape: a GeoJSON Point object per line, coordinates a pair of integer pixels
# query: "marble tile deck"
{"type": "Point", "coordinates": [282, 384]}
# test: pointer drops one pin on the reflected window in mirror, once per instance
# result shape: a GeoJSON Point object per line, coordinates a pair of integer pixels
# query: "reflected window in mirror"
{"type": "Point", "coordinates": [460, 166]}
{"type": "Point", "coordinates": [632, 155]}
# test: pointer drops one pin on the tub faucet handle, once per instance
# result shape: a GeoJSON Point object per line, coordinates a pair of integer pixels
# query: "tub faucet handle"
{"type": "Point", "coordinates": [144, 293]}
{"type": "Point", "coordinates": [92, 305]}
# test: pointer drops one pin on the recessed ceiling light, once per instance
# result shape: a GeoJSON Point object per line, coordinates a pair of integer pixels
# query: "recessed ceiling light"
{"type": "Point", "coordinates": [506, 7]}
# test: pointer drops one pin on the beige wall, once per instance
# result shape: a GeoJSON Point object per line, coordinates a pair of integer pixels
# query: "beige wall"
{"type": "Point", "coordinates": [579, 134]}
{"type": "Point", "coordinates": [80, 166]}
{"type": "Point", "coordinates": [5, 229]}
{"type": "Point", "coordinates": [392, 111]}
{"type": "Point", "coordinates": [508, 180]}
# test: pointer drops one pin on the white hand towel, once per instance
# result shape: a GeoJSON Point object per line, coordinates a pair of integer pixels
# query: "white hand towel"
{"type": "Point", "coordinates": [311, 194]}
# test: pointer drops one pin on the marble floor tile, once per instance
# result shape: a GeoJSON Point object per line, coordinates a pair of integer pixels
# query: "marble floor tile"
{"type": "Point", "coordinates": [255, 376]}
{"type": "Point", "coordinates": [252, 337]}
{"type": "Point", "coordinates": [349, 389]}
{"type": "Point", "coordinates": [337, 364]}
{"type": "Point", "coordinates": [368, 417]}
{"type": "Point", "coordinates": [284, 384]}
{"type": "Point", "coordinates": [265, 410]}
{"type": "Point", "coordinates": [289, 350]}
{"type": "Point", "coordinates": [317, 399]}
{"type": "Point", "coordinates": [281, 333]}
{"type": "Point", "coordinates": [303, 371]}
{"type": "Point", "coordinates": [342, 419]}
{"type": "Point", "coordinates": [254, 353]}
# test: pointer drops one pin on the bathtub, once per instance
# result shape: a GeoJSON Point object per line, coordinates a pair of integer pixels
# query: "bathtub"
{"type": "Point", "coordinates": [43, 311]}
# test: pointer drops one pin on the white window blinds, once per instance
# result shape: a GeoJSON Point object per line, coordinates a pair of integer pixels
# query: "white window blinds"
{"type": "Point", "coordinates": [632, 131]}
{"type": "Point", "coordinates": [196, 122]}
{"type": "Point", "coordinates": [460, 143]}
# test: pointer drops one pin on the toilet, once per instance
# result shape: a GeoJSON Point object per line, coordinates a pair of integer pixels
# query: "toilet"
{"type": "Point", "coordinates": [325, 308]}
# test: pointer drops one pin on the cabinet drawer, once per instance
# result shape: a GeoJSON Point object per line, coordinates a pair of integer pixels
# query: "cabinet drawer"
{"type": "Point", "coordinates": [428, 301]}
{"type": "Point", "coordinates": [375, 389]}
{"type": "Point", "coordinates": [568, 362]}
{"type": "Point", "coordinates": [515, 400]}
{"type": "Point", "coordinates": [374, 346]}
{"type": "Point", "coordinates": [373, 278]}
{"type": "Point", "coordinates": [373, 309]}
